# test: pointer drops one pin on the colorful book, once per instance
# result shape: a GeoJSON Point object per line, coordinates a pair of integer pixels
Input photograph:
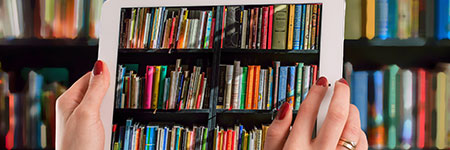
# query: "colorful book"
{"type": "Point", "coordinates": [421, 106]}
{"type": "Point", "coordinates": [392, 107]}
{"type": "Point", "coordinates": [290, 30]}
{"type": "Point", "coordinates": [243, 87]}
{"type": "Point", "coordinates": [280, 25]}
{"type": "Point", "coordinates": [298, 86]}
{"type": "Point", "coordinates": [407, 104]}
{"type": "Point", "coordinates": [148, 87]}
{"type": "Point", "coordinates": [306, 78]}
{"type": "Point", "coordinates": [257, 71]}
{"type": "Point", "coordinates": [235, 85]}
{"type": "Point", "coordinates": [376, 132]}
{"type": "Point", "coordinates": [250, 80]}
{"type": "Point", "coordinates": [441, 107]}
{"type": "Point", "coordinates": [359, 95]}
{"type": "Point", "coordinates": [270, 89]}
{"type": "Point", "coordinates": [276, 66]}
{"type": "Point", "coordinates": [270, 28]}
{"type": "Point", "coordinates": [291, 85]}
{"type": "Point", "coordinates": [261, 89]}
{"type": "Point", "coordinates": [297, 25]}
{"type": "Point", "coordinates": [282, 85]}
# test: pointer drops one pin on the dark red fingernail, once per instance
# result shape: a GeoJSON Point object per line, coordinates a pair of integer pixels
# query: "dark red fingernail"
{"type": "Point", "coordinates": [322, 81]}
{"type": "Point", "coordinates": [283, 111]}
{"type": "Point", "coordinates": [342, 80]}
{"type": "Point", "coordinates": [98, 67]}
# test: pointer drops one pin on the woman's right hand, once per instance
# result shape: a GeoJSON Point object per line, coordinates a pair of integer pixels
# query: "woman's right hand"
{"type": "Point", "coordinates": [340, 128]}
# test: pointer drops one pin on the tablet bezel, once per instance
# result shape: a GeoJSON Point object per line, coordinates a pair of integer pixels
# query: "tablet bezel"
{"type": "Point", "coordinates": [331, 48]}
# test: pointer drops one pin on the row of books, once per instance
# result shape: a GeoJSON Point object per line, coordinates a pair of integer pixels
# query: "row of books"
{"type": "Point", "coordinates": [137, 136]}
{"type": "Point", "coordinates": [163, 87]}
{"type": "Point", "coordinates": [238, 138]}
{"type": "Point", "coordinates": [247, 27]}
{"type": "Point", "coordinates": [48, 19]}
{"type": "Point", "coordinates": [397, 19]}
{"type": "Point", "coordinates": [403, 108]}
{"type": "Point", "coordinates": [27, 119]}
{"type": "Point", "coordinates": [251, 87]}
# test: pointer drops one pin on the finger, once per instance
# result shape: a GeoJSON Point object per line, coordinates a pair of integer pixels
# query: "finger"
{"type": "Point", "coordinates": [279, 129]}
{"type": "Point", "coordinates": [362, 144]}
{"type": "Point", "coordinates": [70, 99]}
{"type": "Point", "coordinates": [304, 123]}
{"type": "Point", "coordinates": [352, 129]}
{"type": "Point", "coordinates": [98, 85]}
{"type": "Point", "coordinates": [334, 123]}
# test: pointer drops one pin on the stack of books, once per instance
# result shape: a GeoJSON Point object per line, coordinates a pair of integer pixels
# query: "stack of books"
{"type": "Point", "coordinates": [397, 19]}
{"type": "Point", "coordinates": [27, 119]}
{"type": "Point", "coordinates": [292, 27]}
{"type": "Point", "coordinates": [48, 19]}
{"type": "Point", "coordinates": [163, 87]}
{"type": "Point", "coordinates": [250, 87]}
{"type": "Point", "coordinates": [158, 137]}
{"type": "Point", "coordinates": [238, 138]}
{"type": "Point", "coordinates": [403, 108]}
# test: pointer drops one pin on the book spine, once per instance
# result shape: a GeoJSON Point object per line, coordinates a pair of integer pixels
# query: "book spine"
{"type": "Point", "coordinates": [179, 91]}
{"type": "Point", "coordinates": [255, 29]}
{"type": "Point", "coordinates": [249, 96]}
{"type": "Point", "coordinates": [200, 91]}
{"type": "Point", "coordinates": [282, 85]}
{"type": "Point", "coordinates": [291, 27]}
{"type": "Point", "coordinates": [303, 27]}
{"type": "Point", "coordinates": [376, 132]}
{"type": "Point", "coordinates": [224, 22]}
{"type": "Point", "coordinates": [359, 97]}
{"type": "Point", "coordinates": [213, 25]}
{"type": "Point", "coordinates": [381, 14]}
{"type": "Point", "coordinates": [148, 87]}
{"type": "Point", "coordinates": [241, 70]}
{"type": "Point", "coordinates": [265, 85]}
{"type": "Point", "coordinates": [291, 85]}
{"type": "Point", "coordinates": [319, 18]}
{"type": "Point", "coordinates": [270, 26]}
{"type": "Point", "coordinates": [260, 16]}
{"type": "Point", "coordinates": [201, 29]}
{"type": "Point", "coordinates": [276, 77]}
{"type": "Point", "coordinates": [256, 87]}
{"type": "Point", "coordinates": [261, 89]}
{"type": "Point", "coordinates": [222, 75]}
{"type": "Point", "coordinates": [306, 76]}
{"type": "Point", "coordinates": [203, 94]}
{"type": "Point", "coordinates": [406, 100]}
{"type": "Point", "coordinates": [441, 133]}
{"type": "Point", "coordinates": [270, 89]}
{"type": "Point", "coordinates": [208, 31]}
{"type": "Point", "coordinates": [298, 86]}
{"type": "Point", "coordinates": [244, 29]}
{"type": "Point", "coordinates": [307, 27]}
{"type": "Point", "coordinates": [173, 32]}
{"type": "Point", "coordinates": [235, 85]}
{"type": "Point", "coordinates": [265, 22]}
{"type": "Point", "coordinates": [251, 29]}
{"type": "Point", "coordinates": [297, 24]}
{"type": "Point", "coordinates": [392, 106]}
{"type": "Point", "coordinates": [392, 19]}
{"type": "Point", "coordinates": [280, 27]}
{"type": "Point", "coordinates": [229, 85]}
{"type": "Point", "coordinates": [159, 91]}
{"type": "Point", "coordinates": [314, 27]}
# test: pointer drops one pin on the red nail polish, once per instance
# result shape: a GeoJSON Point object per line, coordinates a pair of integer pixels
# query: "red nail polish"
{"type": "Point", "coordinates": [342, 80]}
{"type": "Point", "coordinates": [98, 67]}
{"type": "Point", "coordinates": [322, 82]}
{"type": "Point", "coordinates": [283, 111]}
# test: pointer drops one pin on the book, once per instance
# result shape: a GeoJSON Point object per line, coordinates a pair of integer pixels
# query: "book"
{"type": "Point", "coordinates": [306, 77]}
{"type": "Point", "coordinates": [280, 27]}
{"type": "Point", "coordinates": [441, 26]}
{"type": "Point", "coordinates": [276, 66]}
{"type": "Point", "coordinates": [290, 89]}
{"type": "Point", "coordinates": [270, 89]}
{"type": "Point", "coordinates": [261, 87]}
{"type": "Point", "coordinates": [376, 132]}
{"type": "Point", "coordinates": [290, 30]}
{"type": "Point", "coordinates": [381, 19]}
{"type": "Point", "coordinates": [232, 27]}
{"type": "Point", "coordinates": [282, 85]}
{"type": "Point", "coordinates": [235, 85]}
{"type": "Point", "coordinates": [421, 106]}
{"type": "Point", "coordinates": [298, 85]}
{"type": "Point", "coordinates": [257, 73]}
{"type": "Point", "coordinates": [297, 25]}
{"type": "Point", "coordinates": [307, 27]}
{"type": "Point", "coordinates": [353, 19]}
{"type": "Point", "coordinates": [250, 82]}
{"type": "Point", "coordinates": [161, 91]}
{"type": "Point", "coordinates": [368, 12]}
{"type": "Point", "coordinates": [228, 86]}
{"type": "Point", "coordinates": [264, 27]}
{"type": "Point", "coordinates": [148, 87]}
{"type": "Point", "coordinates": [407, 105]}
{"type": "Point", "coordinates": [392, 18]}
{"type": "Point", "coordinates": [359, 96]}
{"type": "Point", "coordinates": [244, 29]}
{"type": "Point", "coordinates": [391, 104]}
{"type": "Point", "coordinates": [441, 107]}
{"type": "Point", "coordinates": [270, 28]}
{"type": "Point", "coordinates": [259, 27]}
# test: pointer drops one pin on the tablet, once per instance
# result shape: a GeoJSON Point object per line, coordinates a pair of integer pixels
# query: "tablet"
{"type": "Point", "coordinates": [330, 47]}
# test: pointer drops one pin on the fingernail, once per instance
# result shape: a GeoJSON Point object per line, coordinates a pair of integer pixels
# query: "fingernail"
{"type": "Point", "coordinates": [283, 111]}
{"type": "Point", "coordinates": [322, 81]}
{"type": "Point", "coordinates": [342, 80]}
{"type": "Point", "coordinates": [98, 67]}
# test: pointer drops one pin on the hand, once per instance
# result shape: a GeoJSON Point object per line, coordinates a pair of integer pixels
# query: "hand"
{"type": "Point", "coordinates": [341, 122]}
{"type": "Point", "coordinates": [78, 124]}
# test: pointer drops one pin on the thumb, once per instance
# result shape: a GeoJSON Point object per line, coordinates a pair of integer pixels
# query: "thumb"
{"type": "Point", "coordinates": [98, 85]}
{"type": "Point", "coordinates": [279, 129]}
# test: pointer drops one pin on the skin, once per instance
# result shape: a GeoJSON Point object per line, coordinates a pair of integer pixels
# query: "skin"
{"type": "Point", "coordinates": [78, 124]}
{"type": "Point", "coordinates": [342, 121]}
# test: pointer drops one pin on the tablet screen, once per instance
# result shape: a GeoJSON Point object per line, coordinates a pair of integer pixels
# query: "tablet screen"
{"type": "Point", "coordinates": [202, 77]}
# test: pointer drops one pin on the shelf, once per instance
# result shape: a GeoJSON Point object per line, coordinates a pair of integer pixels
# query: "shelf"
{"type": "Point", "coordinates": [413, 42]}
{"type": "Point", "coordinates": [184, 117]}
{"type": "Point", "coordinates": [263, 51]}
{"type": "Point", "coordinates": [48, 42]}
{"type": "Point", "coordinates": [162, 51]}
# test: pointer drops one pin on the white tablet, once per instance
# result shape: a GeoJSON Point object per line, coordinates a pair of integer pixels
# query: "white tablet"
{"type": "Point", "coordinates": [330, 52]}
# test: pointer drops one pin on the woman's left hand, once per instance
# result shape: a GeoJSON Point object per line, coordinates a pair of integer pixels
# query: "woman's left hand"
{"type": "Point", "coordinates": [78, 124]}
